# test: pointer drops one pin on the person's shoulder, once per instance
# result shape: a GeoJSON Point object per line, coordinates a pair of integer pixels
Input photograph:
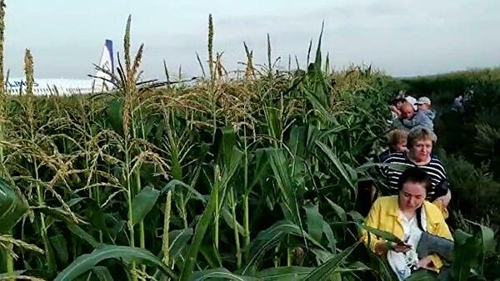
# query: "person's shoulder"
{"type": "Point", "coordinates": [436, 161]}
{"type": "Point", "coordinates": [395, 157]}
{"type": "Point", "coordinates": [386, 201]}
{"type": "Point", "coordinates": [432, 210]}
{"type": "Point", "coordinates": [422, 115]}
{"type": "Point", "coordinates": [383, 155]}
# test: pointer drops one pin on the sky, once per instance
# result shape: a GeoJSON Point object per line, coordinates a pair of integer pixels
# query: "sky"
{"type": "Point", "coordinates": [399, 37]}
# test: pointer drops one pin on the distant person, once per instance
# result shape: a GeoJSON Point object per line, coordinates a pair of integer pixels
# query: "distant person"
{"type": "Point", "coordinates": [458, 104]}
{"type": "Point", "coordinates": [410, 119]}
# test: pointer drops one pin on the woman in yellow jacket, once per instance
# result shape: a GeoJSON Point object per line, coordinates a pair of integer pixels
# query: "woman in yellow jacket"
{"type": "Point", "coordinates": [409, 217]}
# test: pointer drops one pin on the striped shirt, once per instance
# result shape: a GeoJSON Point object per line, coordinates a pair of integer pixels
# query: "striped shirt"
{"type": "Point", "coordinates": [434, 169]}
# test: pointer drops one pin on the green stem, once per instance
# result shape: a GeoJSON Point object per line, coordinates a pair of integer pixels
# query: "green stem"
{"type": "Point", "coordinates": [246, 207]}
{"type": "Point", "coordinates": [142, 236]}
{"type": "Point", "coordinates": [130, 208]}
{"type": "Point", "coordinates": [288, 253]}
{"type": "Point", "coordinates": [45, 236]}
{"type": "Point", "coordinates": [9, 258]}
{"type": "Point", "coordinates": [10, 262]}
{"type": "Point", "coordinates": [235, 226]}
{"type": "Point", "coordinates": [216, 218]}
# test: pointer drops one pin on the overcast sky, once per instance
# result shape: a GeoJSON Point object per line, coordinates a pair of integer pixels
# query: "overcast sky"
{"type": "Point", "coordinates": [401, 37]}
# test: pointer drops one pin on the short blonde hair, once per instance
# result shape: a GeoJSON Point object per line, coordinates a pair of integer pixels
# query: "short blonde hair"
{"type": "Point", "coordinates": [420, 133]}
{"type": "Point", "coordinates": [396, 136]}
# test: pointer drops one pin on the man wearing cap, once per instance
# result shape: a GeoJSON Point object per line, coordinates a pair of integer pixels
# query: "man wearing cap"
{"type": "Point", "coordinates": [424, 105]}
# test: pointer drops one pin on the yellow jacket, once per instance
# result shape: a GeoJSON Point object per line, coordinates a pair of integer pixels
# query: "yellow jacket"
{"type": "Point", "coordinates": [384, 215]}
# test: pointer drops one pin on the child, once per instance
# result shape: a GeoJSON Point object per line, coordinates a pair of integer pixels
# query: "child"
{"type": "Point", "coordinates": [424, 106]}
{"type": "Point", "coordinates": [396, 141]}
{"type": "Point", "coordinates": [367, 191]}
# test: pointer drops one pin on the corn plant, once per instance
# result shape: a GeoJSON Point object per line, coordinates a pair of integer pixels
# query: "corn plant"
{"type": "Point", "coordinates": [246, 179]}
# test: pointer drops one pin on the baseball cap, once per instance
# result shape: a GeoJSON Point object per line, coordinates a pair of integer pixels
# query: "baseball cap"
{"type": "Point", "coordinates": [423, 100]}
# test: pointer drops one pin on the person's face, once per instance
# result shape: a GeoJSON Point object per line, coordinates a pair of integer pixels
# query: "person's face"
{"type": "Point", "coordinates": [421, 149]}
{"type": "Point", "coordinates": [423, 106]}
{"type": "Point", "coordinates": [412, 196]}
{"type": "Point", "coordinates": [400, 146]}
{"type": "Point", "coordinates": [407, 112]}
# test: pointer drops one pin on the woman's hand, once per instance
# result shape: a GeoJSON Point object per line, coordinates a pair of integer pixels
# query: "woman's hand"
{"type": "Point", "coordinates": [385, 246]}
{"type": "Point", "coordinates": [400, 248]}
{"type": "Point", "coordinates": [395, 110]}
{"type": "Point", "coordinates": [425, 263]}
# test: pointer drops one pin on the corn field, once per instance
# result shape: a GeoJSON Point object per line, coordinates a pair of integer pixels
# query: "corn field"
{"type": "Point", "coordinates": [248, 178]}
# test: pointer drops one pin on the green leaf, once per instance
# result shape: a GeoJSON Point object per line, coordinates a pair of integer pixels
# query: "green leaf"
{"type": "Point", "coordinates": [87, 262]}
{"type": "Point", "coordinates": [102, 273]}
{"type": "Point", "coordinates": [338, 164]}
{"type": "Point", "coordinates": [297, 141]}
{"type": "Point", "coordinates": [12, 207]}
{"type": "Point", "coordinates": [290, 273]}
{"type": "Point", "coordinates": [331, 266]}
{"type": "Point", "coordinates": [178, 241]}
{"type": "Point", "coordinates": [143, 203]}
{"type": "Point", "coordinates": [269, 238]}
{"type": "Point", "coordinates": [314, 221]}
{"type": "Point", "coordinates": [261, 169]}
{"type": "Point", "coordinates": [173, 184]}
{"type": "Point", "coordinates": [228, 218]}
{"type": "Point", "coordinates": [321, 256]}
{"type": "Point", "coordinates": [219, 190]}
{"type": "Point", "coordinates": [356, 217]}
{"type": "Point", "coordinates": [93, 213]}
{"type": "Point", "coordinates": [465, 253]}
{"type": "Point", "coordinates": [383, 234]}
{"type": "Point", "coordinates": [279, 165]}
{"type": "Point", "coordinates": [60, 247]}
{"type": "Point", "coordinates": [211, 254]}
{"type": "Point", "coordinates": [115, 114]}
{"type": "Point", "coordinates": [338, 210]}
{"type": "Point", "coordinates": [486, 236]}
{"type": "Point", "coordinates": [327, 229]}
{"type": "Point", "coordinates": [219, 274]}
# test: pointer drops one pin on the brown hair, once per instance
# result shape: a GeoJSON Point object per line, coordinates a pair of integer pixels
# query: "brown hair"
{"type": "Point", "coordinates": [420, 133]}
{"type": "Point", "coordinates": [396, 136]}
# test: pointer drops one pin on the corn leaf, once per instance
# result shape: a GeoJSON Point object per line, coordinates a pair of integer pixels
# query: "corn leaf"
{"type": "Point", "coordinates": [336, 161]}
{"type": "Point", "coordinates": [330, 267]}
{"type": "Point", "coordinates": [115, 114]}
{"type": "Point", "coordinates": [219, 274]}
{"type": "Point", "coordinates": [314, 221]}
{"type": "Point", "coordinates": [269, 238]}
{"type": "Point", "coordinates": [12, 207]}
{"type": "Point", "coordinates": [382, 234]}
{"type": "Point", "coordinates": [102, 273]}
{"type": "Point", "coordinates": [126, 254]}
{"type": "Point", "coordinates": [218, 189]}
{"type": "Point", "coordinates": [143, 203]}
{"type": "Point", "coordinates": [291, 273]}
{"type": "Point", "coordinates": [179, 241]}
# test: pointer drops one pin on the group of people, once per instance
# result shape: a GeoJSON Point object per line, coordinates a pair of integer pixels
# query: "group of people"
{"type": "Point", "coordinates": [415, 195]}
{"type": "Point", "coordinates": [409, 113]}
